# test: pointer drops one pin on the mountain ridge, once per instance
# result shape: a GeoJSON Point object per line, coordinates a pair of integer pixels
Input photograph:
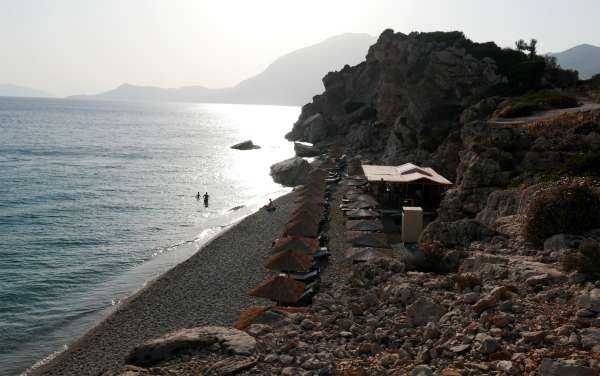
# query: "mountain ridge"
{"type": "Point", "coordinates": [12, 90]}
{"type": "Point", "coordinates": [584, 58]}
{"type": "Point", "coordinates": [291, 79]}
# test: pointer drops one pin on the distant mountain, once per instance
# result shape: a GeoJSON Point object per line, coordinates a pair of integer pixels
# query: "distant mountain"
{"type": "Point", "coordinates": [293, 79]}
{"type": "Point", "coordinates": [9, 90]}
{"type": "Point", "coordinates": [584, 58]}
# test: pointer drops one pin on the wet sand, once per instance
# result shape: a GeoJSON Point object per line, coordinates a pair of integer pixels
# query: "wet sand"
{"type": "Point", "coordinates": [210, 288]}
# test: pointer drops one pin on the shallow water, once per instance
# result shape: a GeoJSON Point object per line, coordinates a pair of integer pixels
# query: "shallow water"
{"type": "Point", "coordinates": [97, 198]}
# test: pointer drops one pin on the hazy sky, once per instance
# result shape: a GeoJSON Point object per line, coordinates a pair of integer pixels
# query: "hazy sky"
{"type": "Point", "coordinates": [84, 46]}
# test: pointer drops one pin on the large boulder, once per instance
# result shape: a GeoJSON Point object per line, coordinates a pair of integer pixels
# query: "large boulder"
{"type": "Point", "coordinates": [290, 172]}
{"type": "Point", "coordinates": [227, 340]}
{"type": "Point", "coordinates": [590, 300]}
{"type": "Point", "coordinates": [245, 145]}
{"type": "Point", "coordinates": [424, 310]}
{"type": "Point", "coordinates": [550, 367]}
{"type": "Point", "coordinates": [304, 150]}
{"type": "Point", "coordinates": [455, 234]}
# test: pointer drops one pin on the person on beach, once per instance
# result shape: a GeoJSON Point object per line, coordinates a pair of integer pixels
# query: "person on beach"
{"type": "Point", "coordinates": [198, 196]}
{"type": "Point", "coordinates": [270, 206]}
{"type": "Point", "coordinates": [206, 199]}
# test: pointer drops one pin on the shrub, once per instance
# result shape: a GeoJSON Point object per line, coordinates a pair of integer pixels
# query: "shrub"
{"type": "Point", "coordinates": [585, 260]}
{"type": "Point", "coordinates": [434, 258]}
{"type": "Point", "coordinates": [539, 101]}
{"type": "Point", "coordinates": [565, 208]}
{"type": "Point", "coordinates": [586, 165]}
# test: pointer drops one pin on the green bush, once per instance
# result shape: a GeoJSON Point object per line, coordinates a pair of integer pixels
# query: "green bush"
{"type": "Point", "coordinates": [586, 165]}
{"type": "Point", "coordinates": [539, 101]}
{"type": "Point", "coordinates": [565, 208]}
{"type": "Point", "coordinates": [585, 260]}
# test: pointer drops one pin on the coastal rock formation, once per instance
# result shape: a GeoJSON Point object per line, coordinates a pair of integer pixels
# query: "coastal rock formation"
{"type": "Point", "coordinates": [245, 145]}
{"type": "Point", "coordinates": [214, 338]}
{"type": "Point", "coordinates": [304, 150]}
{"type": "Point", "coordinates": [290, 172]}
{"type": "Point", "coordinates": [404, 102]}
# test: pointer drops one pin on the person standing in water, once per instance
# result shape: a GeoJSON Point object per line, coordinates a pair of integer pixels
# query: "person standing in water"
{"type": "Point", "coordinates": [206, 199]}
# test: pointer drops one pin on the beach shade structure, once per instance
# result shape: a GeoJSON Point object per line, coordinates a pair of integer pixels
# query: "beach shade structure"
{"type": "Point", "coordinates": [367, 254]}
{"type": "Point", "coordinates": [307, 228]}
{"type": "Point", "coordinates": [291, 243]}
{"type": "Point", "coordinates": [364, 225]}
{"type": "Point", "coordinates": [310, 199]}
{"type": "Point", "coordinates": [369, 239]}
{"type": "Point", "coordinates": [309, 208]}
{"type": "Point", "coordinates": [361, 204]}
{"type": "Point", "coordinates": [311, 190]}
{"type": "Point", "coordinates": [364, 198]}
{"type": "Point", "coordinates": [362, 214]}
{"type": "Point", "coordinates": [280, 289]}
{"type": "Point", "coordinates": [353, 182]}
{"type": "Point", "coordinates": [290, 261]}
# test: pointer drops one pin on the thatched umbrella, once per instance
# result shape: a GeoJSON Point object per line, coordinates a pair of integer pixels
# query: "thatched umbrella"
{"type": "Point", "coordinates": [369, 239]}
{"type": "Point", "coordinates": [280, 289]}
{"type": "Point", "coordinates": [306, 218]}
{"type": "Point", "coordinates": [362, 214]}
{"type": "Point", "coordinates": [366, 254]}
{"type": "Point", "coordinates": [306, 245]}
{"type": "Point", "coordinates": [311, 199]}
{"type": "Point", "coordinates": [309, 208]}
{"type": "Point", "coordinates": [290, 261]}
{"type": "Point", "coordinates": [307, 228]}
{"type": "Point", "coordinates": [364, 225]}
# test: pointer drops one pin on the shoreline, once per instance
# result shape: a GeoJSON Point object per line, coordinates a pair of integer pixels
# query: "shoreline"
{"type": "Point", "coordinates": [209, 288]}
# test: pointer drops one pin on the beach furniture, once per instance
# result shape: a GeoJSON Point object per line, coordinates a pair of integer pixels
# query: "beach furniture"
{"type": "Point", "coordinates": [306, 277]}
{"type": "Point", "coordinates": [321, 253]}
{"type": "Point", "coordinates": [280, 289]}
{"type": "Point", "coordinates": [367, 254]}
{"type": "Point", "coordinates": [362, 214]}
{"type": "Point", "coordinates": [364, 225]}
{"type": "Point", "coordinates": [369, 239]}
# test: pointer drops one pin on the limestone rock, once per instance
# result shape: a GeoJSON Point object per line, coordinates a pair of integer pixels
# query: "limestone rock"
{"type": "Point", "coordinates": [590, 339]}
{"type": "Point", "coordinates": [245, 145]}
{"type": "Point", "coordinates": [303, 150]}
{"type": "Point", "coordinates": [590, 300]}
{"type": "Point", "coordinates": [290, 172]}
{"type": "Point", "coordinates": [423, 311]}
{"type": "Point", "coordinates": [231, 341]}
{"type": "Point", "coordinates": [550, 367]}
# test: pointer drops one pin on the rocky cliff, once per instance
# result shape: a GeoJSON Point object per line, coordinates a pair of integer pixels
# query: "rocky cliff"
{"type": "Point", "coordinates": [430, 98]}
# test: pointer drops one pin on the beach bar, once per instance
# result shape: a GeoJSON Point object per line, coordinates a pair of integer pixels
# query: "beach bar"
{"type": "Point", "coordinates": [406, 185]}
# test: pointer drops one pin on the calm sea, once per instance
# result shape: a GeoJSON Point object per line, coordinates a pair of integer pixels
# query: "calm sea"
{"type": "Point", "coordinates": [97, 198]}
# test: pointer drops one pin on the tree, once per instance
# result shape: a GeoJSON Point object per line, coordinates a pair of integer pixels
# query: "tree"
{"type": "Point", "coordinates": [531, 48]}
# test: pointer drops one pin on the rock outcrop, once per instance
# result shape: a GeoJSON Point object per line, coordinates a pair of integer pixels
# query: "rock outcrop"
{"type": "Point", "coordinates": [213, 338]}
{"type": "Point", "coordinates": [245, 145]}
{"type": "Point", "coordinates": [404, 102]}
{"type": "Point", "coordinates": [290, 172]}
{"type": "Point", "coordinates": [304, 150]}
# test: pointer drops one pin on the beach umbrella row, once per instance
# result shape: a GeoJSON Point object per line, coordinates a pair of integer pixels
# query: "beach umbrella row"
{"type": "Point", "coordinates": [294, 253]}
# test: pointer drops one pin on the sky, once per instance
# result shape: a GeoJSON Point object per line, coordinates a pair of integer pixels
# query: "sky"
{"type": "Point", "coordinates": [69, 47]}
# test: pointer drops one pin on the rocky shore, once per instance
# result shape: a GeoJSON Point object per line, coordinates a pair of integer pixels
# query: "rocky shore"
{"type": "Point", "coordinates": [210, 288]}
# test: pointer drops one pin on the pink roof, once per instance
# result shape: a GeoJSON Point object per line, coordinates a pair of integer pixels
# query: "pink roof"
{"type": "Point", "coordinates": [406, 173]}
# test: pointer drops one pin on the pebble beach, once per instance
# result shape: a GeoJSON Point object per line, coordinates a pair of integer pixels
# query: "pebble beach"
{"type": "Point", "coordinates": [210, 288]}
